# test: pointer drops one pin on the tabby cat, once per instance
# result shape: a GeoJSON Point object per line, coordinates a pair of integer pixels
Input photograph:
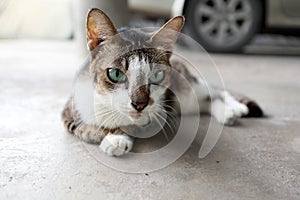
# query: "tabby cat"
{"type": "Point", "coordinates": [127, 82]}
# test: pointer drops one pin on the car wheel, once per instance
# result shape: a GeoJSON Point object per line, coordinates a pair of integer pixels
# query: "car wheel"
{"type": "Point", "coordinates": [223, 25]}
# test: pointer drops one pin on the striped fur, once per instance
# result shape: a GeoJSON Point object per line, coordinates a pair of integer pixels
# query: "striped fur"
{"type": "Point", "coordinates": [98, 107]}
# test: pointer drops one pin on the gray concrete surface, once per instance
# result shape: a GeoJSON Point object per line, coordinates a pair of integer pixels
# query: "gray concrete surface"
{"type": "Point", "coordinates": [258, 159]}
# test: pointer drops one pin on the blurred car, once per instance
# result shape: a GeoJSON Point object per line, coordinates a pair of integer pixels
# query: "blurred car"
{"type": "Point", "coordinates": [224, 25]}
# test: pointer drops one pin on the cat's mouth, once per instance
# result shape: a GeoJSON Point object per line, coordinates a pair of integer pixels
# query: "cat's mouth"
{"type": "Point", "coordinates": [139, 118]}
{"type": "Point", "coordinates": [136, 115]}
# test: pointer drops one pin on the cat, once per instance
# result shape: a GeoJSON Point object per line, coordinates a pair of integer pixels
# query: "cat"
{"type": "Point", "coordinates": [132, 69]}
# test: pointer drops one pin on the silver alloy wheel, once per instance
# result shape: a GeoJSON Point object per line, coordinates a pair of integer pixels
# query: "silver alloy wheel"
{"type": "Point", "coordinates": [223, 22]}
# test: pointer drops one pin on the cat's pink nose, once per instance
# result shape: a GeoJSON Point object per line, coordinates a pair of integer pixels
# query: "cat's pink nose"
{"type": "Point", "coordinates": [139, 105]}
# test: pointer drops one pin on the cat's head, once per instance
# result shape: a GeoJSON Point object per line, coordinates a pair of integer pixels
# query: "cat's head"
{"type": "Point", "coordinates": [131, 68]}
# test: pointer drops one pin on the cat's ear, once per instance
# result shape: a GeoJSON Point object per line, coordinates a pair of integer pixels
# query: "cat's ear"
{"type": "Point", "coordinates": [98, 28]}
{"type": "Point", "coordinates": [167, 35]}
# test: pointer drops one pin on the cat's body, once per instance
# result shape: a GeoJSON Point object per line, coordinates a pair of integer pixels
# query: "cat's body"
{"type": "Point", "coordinates": [131, 78]}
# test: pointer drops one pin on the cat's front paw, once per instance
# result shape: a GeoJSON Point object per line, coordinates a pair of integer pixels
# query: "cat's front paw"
{"type": "Point", "coordinates": [116, 145]}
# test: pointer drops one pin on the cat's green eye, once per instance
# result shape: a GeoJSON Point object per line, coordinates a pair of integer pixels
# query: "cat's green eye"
{"type": "Point", "coordinates": [157, 76]}
{"type": "Point", "coordinates": [116, 75]}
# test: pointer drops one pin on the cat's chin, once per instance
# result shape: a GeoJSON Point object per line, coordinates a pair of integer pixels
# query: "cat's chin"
{"type": "Point", "coordinates": [145, 122]}
{"type": "Point", "coordinates": [140, 119]}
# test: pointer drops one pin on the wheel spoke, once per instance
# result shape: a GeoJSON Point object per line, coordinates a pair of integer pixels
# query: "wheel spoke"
{"type": "Point", "coordinates": [223, 22]}
{"type": "Point", "coordinates": [221, 35]}
{"type": "Point", "coordinates": [220, 4]}
{"type": "Point", "coordinates": [241, 15]}
{"type": "Point", "coordinates": [234, 28]}
{"type": "Point", "coordinates": [208, 27]}
{"type": "Point", "coordinates": [232, 4]}
{"type": "Point", "coordinates": [206, 10]}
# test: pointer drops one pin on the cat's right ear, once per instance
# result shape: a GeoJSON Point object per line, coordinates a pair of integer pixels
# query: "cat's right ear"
{"type": "Point", "coordinates": [98, 28]}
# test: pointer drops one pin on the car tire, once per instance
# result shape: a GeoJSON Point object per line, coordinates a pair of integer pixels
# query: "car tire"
{"type": "Point", "coordinates": [223, 25]}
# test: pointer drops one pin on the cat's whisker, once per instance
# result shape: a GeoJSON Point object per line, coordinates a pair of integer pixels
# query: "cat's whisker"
{"type": "Point", "coordinates": [165, 120]}
{"type": "Point", "coordinates": [163, 108]}
{"type": "Point", "coordinates": [119, 118]}
{"type": "Point", "coordinates": [104, 123]}
{"type": "Point", "coordinates": [109, 118]}
{"type": "Point", "coordinates": [98, 116]}
{"type": "Point", "coordinates": [124, 110]}
{"type": "Point", "coordinates": [167, 100]}
{"type": "Point", "coordinates": [173, 121]}
{"type": "Point", "coordinates": [170, 107]}
{"type": "Point", "coordinates": [103, 113]}
{"type": "Point", "coordinates": [170, 113]}
{"type": "Point", "coordinates": [172, 118]}
{"type": "Point", "coordinates": [162, 127]}
{"type": "Point", "coordinates": [78, 122]}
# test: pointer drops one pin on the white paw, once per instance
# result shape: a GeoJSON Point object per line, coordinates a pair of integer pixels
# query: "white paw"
{"type": "Point", "coordinates": [116, 145]}
{"type": "Point", "coordinates": [233, 111]}
{"type": "Point", "coordinates": [227, 112]}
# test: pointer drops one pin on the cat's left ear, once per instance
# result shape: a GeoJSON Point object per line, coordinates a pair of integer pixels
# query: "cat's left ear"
{"type": "Point", "coordinates": [167, 35]}
{"type": "Point", "coordinates": [98, 28]}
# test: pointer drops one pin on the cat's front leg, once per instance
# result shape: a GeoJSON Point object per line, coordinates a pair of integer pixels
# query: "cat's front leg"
{"type": "Point", "coordinates": [88, 133]}
{"type": "Point", "coordinates": [116, 144]}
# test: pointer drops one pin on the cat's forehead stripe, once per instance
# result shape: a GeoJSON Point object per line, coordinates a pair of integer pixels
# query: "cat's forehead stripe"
{"type": "Point", "coordinates": [138, 68]}
{"type": "Point", "coordinates": [138, 62]}
{"type": "Point", "coordinates": [144, 58]}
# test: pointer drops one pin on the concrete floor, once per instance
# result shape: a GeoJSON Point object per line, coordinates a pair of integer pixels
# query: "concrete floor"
{"type": "Point", "coordinates": [258, 159]}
